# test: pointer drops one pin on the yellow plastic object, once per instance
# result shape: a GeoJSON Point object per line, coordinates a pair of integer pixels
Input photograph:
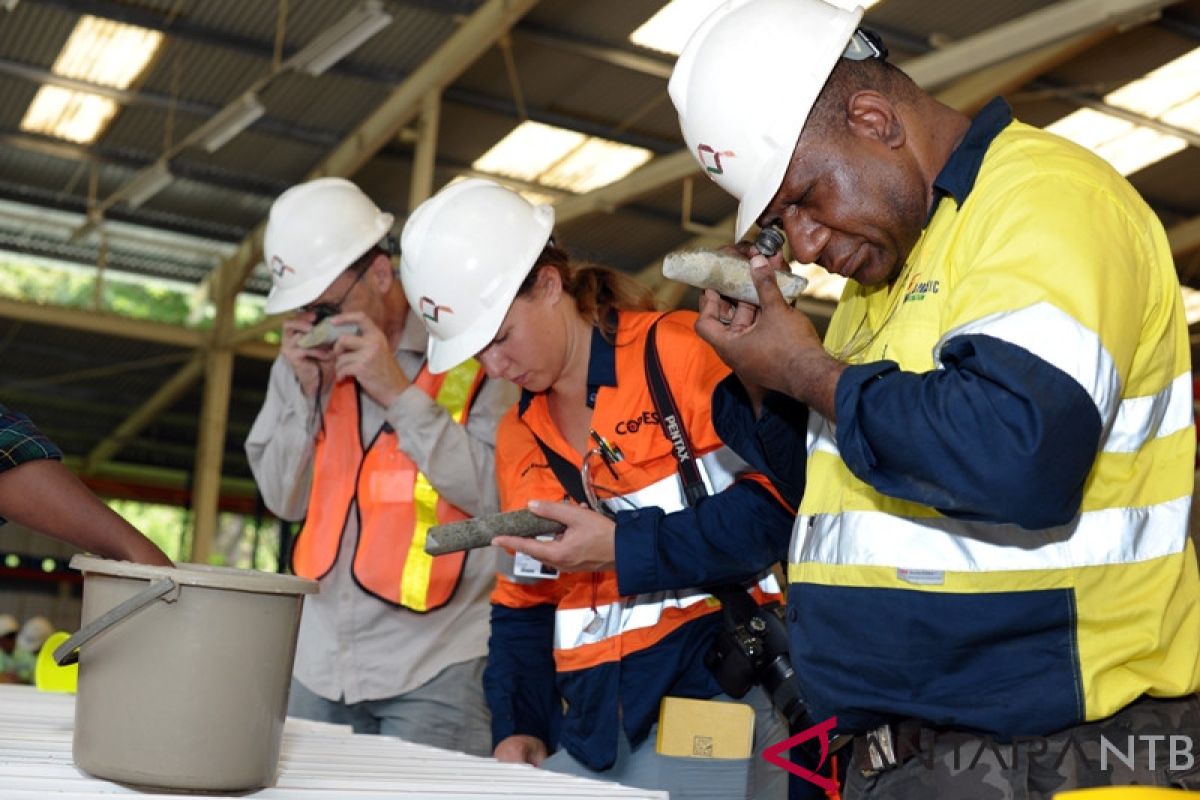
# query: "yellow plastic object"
{"type": "Point", "coordinates": [49, 676]}
{"type": "Point", "coordinates": [1123, 793]}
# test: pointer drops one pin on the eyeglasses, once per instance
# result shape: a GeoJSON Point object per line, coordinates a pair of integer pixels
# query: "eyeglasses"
{"type": "Point", "coordinates": [323, 310]}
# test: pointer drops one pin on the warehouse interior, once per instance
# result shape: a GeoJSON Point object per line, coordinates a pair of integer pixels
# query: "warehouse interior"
{"type": "Point", "coordinates": [159, 171]}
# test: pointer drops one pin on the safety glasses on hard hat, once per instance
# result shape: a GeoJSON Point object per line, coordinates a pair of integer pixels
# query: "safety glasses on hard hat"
{"type": "Point", "coordinates": [865, 44]}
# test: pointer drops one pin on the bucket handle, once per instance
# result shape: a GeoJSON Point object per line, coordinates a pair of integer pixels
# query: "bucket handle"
{"type": "Point", "coordinates": [68, 652]}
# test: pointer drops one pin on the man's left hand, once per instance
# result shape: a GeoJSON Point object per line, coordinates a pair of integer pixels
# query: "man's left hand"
{"type": "Point", "coordinates": [368, 359]}
{"type": "Point", "coordinates": [589, 543]}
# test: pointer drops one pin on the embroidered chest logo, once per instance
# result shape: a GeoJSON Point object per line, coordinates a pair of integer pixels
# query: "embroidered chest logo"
{"type": "Point", "coordinates": [431, 311]}
{"type": "Point", "coordinates": [634, 425]}
{"type": "Point", "coordinates": [917, 289]}
{"type": "Point", "coordinates": [711, 157]}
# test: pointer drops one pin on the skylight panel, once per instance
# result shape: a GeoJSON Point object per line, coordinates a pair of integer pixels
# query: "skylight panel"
{"type": "Point", "coordinates": [65, 114]}
{"type": "Point", "coordinates": [106, 52]}
{"type": "Point", "coordinates": [559, 158]}
{"type": "Point", "coordinates": [1169, 94]}
{"type": "Point", "coordinates": [669, 29]}
{"type": "Point", "coordinates": [98, 51]}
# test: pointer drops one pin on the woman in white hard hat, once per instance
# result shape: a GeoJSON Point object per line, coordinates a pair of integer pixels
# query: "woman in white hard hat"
{"type": "Point", "coordinates": [620, 626]}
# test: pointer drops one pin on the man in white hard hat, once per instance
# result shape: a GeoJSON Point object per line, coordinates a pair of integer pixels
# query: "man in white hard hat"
{"type": "Point", "coordinates": [360, 440]}
{"type": "Point", "coordinates": [990, 574]}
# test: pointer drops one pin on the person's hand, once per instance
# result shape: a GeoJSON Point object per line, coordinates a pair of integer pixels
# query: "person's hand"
{"type": "Point", "coordinates": [368, 359]}
{"type": "Point", "coordinates": [143, 551]}
{"type": "Point", "coordinates": [587, 545]}
{"type": "Point", "coordinates": [772, 347]}
{"type": "Point", "coordinates": [307, 362]}
{"type": "Point", "coordinates": [521, 749]}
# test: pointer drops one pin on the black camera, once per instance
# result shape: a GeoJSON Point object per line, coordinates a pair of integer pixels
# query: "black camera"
{"type": "Point", "coordinates": [752, 649]}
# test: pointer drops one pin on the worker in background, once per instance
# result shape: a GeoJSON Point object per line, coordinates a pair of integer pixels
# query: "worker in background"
{"type": "Point", "coordinates": [358, 438]}
{"type": "Point", "coordinates": [9, 627]}
{"type": "Point", "coordinates": [1000, 443]}
{"type": "Point", "coordinates": [33, 634]}
{"type": "Point", "coordinates": [40, 493]}
{"type": "Point", "coordinates": [607, 620]}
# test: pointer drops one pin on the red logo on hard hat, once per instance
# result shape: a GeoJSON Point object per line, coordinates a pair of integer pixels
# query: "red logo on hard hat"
{"type": "Point", "coordinates": [278, 267]}
{"type": "Point", "coordinates": [716, 168]}
{"type": "Point", "coordinates": [430, 309]}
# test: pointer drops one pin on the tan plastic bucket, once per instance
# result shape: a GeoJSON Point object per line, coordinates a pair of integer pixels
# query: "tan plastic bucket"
{"type": "Point", "coordinates": [183, 673]}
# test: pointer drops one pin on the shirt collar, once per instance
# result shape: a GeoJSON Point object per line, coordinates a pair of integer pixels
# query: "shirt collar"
{"type": "Point", "coordinates": [957, 177]}
{"type": "Point", "coordinates": [602, 368]}
{"type": "Point", "coordinates": [414, 337]}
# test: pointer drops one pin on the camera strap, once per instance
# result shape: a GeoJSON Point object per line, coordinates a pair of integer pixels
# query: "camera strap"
{"type": "Point", "coordinates": [734, 598]}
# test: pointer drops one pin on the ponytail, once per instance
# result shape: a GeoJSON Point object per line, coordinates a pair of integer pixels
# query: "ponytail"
{"type": "Point", "coordinates": [598, 291]}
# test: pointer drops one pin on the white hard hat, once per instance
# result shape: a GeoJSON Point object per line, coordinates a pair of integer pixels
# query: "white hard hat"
{"type": "Point", "coordinates": [34, 634]}
{"type": "Point", "coordinates": [463, 255]}
{"type": "Point", "coordinates": [745, 84]}
{"type": "Point", "coordinates": [8, 624]}
{"type": "Point", "coordinates": [315, 231]}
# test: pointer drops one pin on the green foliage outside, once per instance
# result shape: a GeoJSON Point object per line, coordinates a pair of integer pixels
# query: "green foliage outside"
{"type": "Point", "coordinates": [41, 281]}
{"type": "Point", "coordinates": [170, 528]}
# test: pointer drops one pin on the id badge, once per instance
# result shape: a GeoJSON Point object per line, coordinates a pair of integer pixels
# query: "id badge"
{"type": "Point", "coordinates": [525, 566]}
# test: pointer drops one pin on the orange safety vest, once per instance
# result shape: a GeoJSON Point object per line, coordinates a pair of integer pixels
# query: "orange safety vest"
{"type": "Point", "coordinates": [396, 502]}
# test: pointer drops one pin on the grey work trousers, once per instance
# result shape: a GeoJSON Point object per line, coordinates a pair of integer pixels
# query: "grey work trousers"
{"type": "Point", "coordinates": [447, 712]}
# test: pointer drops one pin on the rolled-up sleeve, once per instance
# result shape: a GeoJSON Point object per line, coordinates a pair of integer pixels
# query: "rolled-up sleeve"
{"type": "Point", "coordinates": [21, 441]}
{"type": "Point", "coordinates": [458, 459]}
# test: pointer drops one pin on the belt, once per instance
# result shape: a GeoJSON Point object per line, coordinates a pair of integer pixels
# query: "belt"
{"type": "Point", "coordinates": [886, 747]}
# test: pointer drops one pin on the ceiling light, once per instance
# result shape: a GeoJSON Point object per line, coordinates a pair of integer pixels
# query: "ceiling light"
{"type": "Point", "coordinates": [229, 122]}
{"type": "Point", "coordinates": [341, 38]}
{"type": "Point", "coordinates": [560, 158]}
{"type": "Point", "coordinates": [146, 184]}
{"type": "Point", "coordinates": [75, 116]}
{"type": "Point", "coordinates": [106, 52]}
{"type": "Point", "coordinates": [9, 5]}
{"type": "Point", "coordinates": [670, 28]}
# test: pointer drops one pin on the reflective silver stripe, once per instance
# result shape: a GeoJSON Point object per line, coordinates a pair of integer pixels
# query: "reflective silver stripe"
{"type": "Point", "coordinates": [822, 435]}
{"type": "Point", "coordinates": [1108, 536]}
{"type": "Point", "coordinates": [1140, 419]}
{"type": "Point", "coordinates": [718, 470]}
{"type": "Point", "coordinates": [1057, 338]}
{"type": "Point", "coordinates": [571, 626]}
{"type": "Point", "coordinates": [575, 627]}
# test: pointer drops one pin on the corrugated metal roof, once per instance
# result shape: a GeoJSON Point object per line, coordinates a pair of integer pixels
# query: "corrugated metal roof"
{"type": "Point", "coordinates": [565, 53]}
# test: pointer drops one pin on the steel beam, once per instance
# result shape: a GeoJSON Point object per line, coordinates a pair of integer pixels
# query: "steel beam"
{"type": "Point", "coordinates": [479, 32]}
{"type": "Point", "coordinates": [1029, 32]}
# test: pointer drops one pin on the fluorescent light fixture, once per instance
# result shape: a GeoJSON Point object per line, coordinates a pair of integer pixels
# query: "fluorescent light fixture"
{"type": "Point", "coordinates": [341, 38]}
{"type": "Point", "coordinates": [560, 158]}
{"type": "Point", "coordinates": [670, 28]}
{"type": "Point", "coordinates": [146, 184]}
{"type": "Point", "coordinates": [229, 122]}
{"type": "Point", "coordinates": [66, 114]}
{"type": "Point", "coordinates": [1169, 94]}
{"type": "Point", "coordinates": [106, 52]}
